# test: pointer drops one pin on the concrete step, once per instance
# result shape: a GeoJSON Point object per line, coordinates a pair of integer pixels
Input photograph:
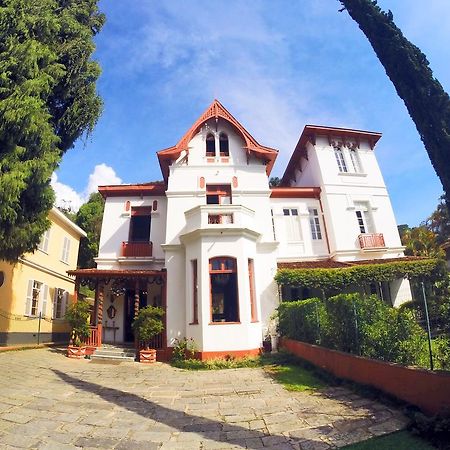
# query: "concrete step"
{"type": "Point", "coordinates": [119, 353]}
{"type": "Point", "coordinates": [113, 357]}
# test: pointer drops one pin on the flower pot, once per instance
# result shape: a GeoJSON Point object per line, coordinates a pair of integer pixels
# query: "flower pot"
{"type": "Point", "coordinates": [147, 356]}
{"type": "Point", "coordinates": [74, 351]}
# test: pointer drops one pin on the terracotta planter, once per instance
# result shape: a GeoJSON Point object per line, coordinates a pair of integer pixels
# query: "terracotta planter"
{"type": "Point", "coordinates": [147, 356]}
{"type": "Point", "coordinates": [74, 351]}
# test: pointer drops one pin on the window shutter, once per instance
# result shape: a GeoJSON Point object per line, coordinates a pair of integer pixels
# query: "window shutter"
{"type": "Point", "coordinates": [55, 299]}
{"type": "Point", "coordinates": [65, 304]}
{"type": "Point", "coordinates": [44, 293]}
{"type": "Point", "coordinates": [29, 297]}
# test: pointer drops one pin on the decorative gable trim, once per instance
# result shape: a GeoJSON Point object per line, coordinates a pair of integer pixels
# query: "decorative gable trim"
{"type": "Point", "coordinates": [216, 110]}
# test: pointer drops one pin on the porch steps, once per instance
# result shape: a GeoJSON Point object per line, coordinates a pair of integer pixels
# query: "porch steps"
{"type": "Point", "coordinates": [114, 353]}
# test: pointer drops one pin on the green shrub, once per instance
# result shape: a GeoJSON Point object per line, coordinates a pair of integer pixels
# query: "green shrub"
{"type": "Point", "coordinates": [183, 349]}
{"type": "Point", "coordinates": [301, 320]}
{"type": "Point", "coordinates": [78, 317]}
{"type": "Point", "coordinates": [147, 324]}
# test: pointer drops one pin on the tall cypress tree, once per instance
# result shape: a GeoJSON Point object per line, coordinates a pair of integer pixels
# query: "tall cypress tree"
{"type": "Point", "coordinates": [408, 69]}
{"type": "Point", "coordinates": [47, 100]}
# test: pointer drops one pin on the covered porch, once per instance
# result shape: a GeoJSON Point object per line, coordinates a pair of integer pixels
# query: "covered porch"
{"type": "Point", "coordinates": [119, 295]}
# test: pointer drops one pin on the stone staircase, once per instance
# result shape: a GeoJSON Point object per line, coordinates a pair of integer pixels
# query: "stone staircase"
{"type": "Point", "coordinates": [115, 352]}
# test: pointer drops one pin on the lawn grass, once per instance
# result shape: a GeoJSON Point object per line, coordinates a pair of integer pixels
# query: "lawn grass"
{"type": "Point", "coordinates": [295, 378]}
{"type": "Point", "coordinates": [401, 440]}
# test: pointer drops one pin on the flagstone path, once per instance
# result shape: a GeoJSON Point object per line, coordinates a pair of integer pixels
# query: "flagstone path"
{"type": "Point", "coordinates": [48, 401]}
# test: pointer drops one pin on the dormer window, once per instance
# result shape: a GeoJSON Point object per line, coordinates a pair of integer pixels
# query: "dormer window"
{"type": "Point", "coordinates": [210, 145]}
{"type": "Point", "coordinates": [224, 145]}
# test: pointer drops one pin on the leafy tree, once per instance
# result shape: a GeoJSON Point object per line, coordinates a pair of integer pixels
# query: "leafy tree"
{"type": "Point", "coordinates": [89, 218]}
{"type": "Point", "coordinates": [439, 222]}
{"type": "Point", "coordinates": [421, 241]}
{"type": "Point", "coordinates": [408, 69]}
{"type": "Point", "coordinates": [274, 181]}
{"type": "Point", "coordinates": [47, 101]}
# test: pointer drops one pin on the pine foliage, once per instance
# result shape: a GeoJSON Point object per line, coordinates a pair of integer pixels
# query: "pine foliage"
{"type": "Point", "coordinates": [408, 69]}
{"type": "Point", "coordinates": [48, 100]}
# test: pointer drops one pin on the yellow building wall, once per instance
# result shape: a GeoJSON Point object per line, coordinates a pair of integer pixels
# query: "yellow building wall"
{"type": "Point", "coordinates": [47, 268]}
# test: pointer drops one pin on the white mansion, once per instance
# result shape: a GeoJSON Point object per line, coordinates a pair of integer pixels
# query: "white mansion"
{"type": "Point", "coordinates": [206, 242]}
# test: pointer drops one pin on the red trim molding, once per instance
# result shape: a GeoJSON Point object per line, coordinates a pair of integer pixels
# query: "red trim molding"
{"type": "Point", "coordinates": [203, 356]}
{"type": "Point", "coordinates": [129, 190]}
{"type": "Point", "coordinates": [295, 192]}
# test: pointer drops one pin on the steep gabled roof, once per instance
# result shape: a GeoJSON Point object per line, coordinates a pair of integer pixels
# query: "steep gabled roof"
{"type": "Point", "coordinates": [309, 134]}
{"type": "Point", "coordinates": [216, 110]}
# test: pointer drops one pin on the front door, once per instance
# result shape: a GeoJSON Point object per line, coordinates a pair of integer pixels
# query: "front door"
{"type": "Point", "coordinates": [129, 312]}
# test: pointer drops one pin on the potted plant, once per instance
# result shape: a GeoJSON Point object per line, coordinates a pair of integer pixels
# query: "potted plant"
{"type": "Point", "coordinates": [78, 317]}
{"type": "Point", "coordinates": [146, 325]}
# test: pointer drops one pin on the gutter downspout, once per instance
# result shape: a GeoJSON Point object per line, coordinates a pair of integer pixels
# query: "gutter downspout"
{"type": "Point", "coordinates": [324, 223]}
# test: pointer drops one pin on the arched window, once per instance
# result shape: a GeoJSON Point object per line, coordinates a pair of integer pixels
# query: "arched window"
{"type": "Point", "coordinates": [223, 145]}
{"type": "Point", "coordinates": [210, 145]}
{"type": "Point", "coordinates": [224, 289]}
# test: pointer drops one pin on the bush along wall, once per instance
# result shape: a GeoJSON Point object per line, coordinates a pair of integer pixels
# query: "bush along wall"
{"type": "Point", "coordinates": [362, 325]}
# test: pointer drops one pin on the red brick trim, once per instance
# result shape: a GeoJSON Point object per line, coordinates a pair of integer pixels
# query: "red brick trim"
{"type": "Point", "coordinates": [203, 356]}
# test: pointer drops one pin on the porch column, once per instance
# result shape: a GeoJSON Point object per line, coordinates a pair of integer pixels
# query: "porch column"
{"type": "Point", "coordinates": [76, 289]}
{"type": "Point", "coordinates": [99, 297]}
{"type": "Point", "coordinates": [136, 298]}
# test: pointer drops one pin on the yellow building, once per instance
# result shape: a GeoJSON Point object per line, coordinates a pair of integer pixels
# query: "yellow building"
{"type": "Point", "coordinates": [35, 292]}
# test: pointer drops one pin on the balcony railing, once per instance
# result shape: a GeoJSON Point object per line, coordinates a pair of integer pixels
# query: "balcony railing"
{"type": "Point", "coordinates": [95, 336]}
{"type": "Point", "coordinates": [137, 249]}
{"type": "Point", "coordinates": [374, 240]}
{"type": "Point", "coordinates": [220, 219]}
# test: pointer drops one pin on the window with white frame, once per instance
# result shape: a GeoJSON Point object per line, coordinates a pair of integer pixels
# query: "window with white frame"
{"type": "Point", "coordinates": [43, 245]}
{"type": "Point", "coordinates": [60, 303]}
{"type": "Point", "coordinates": [314, 223]}
{"type": "Point", "coordinates": [292, 224]}
{"type": "Point", "coordinates": [339, 154]}
{"type": "Point", "coordinates": [36, 301]}
{"type": "Point", "coordinates": [355, 161]}
{"type": "Point", "coordinates": [65, 250]}
{"type": "Point", "coordinates": [364, 217]}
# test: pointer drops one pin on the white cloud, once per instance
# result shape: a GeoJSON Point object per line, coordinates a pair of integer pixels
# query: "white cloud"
{"type": "Point", "coordinates": [101, 175]}
{"type": "Point", "coordinates": [67, 197]}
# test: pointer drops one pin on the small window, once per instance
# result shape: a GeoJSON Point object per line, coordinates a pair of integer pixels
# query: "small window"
{"type": "Point", "coordinates": [60, 301]}
{"type": "Point", "coordinates": [43, 245]}
{"type": "Point", "coordinates": [65, 250]}
{"type": "Point", "coordinates": [194, 292]}
{"type": "Point", "coordinates": [224, 145]}
{"type": "Point", "coordinates": [251, 281]}
{"type": "Point", "coordinates": [210, 145]}
{"type": "Point", "coordinates": [36, 301]}
{"type": "Point", "coordinates": [355, 161]}
{"type": "Point", "coordinates": [364, 217]}
{"type": "Point", "coordinates": [224, 290]}
{"type": "Point", "coordinates": [218, 194]}
{"type": "Point", "coordinates": [292, 223]}
{"type": "Point", "coordinates": [140, 224]}
{"type": "Point", "coordinates": [314, 223]}
{"type": "Point", "coordinates": [340, 159]}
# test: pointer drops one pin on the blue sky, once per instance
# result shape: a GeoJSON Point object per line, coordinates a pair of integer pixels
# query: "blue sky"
{"type": "Point", "coordinates": [276, 65]}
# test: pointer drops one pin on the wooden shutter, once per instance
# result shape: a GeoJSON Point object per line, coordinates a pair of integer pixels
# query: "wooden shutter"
{"type": "Point", "coordinates": [65, 304]}
{"type": "Point", "coordinates": [55, 302]}
{"type": "Point", "coordinates": [29, 298]}
{"type": "Point", "coordinates": [44, 297]}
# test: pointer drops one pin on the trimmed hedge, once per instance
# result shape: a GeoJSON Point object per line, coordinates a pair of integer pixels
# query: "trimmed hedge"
{"type": "Point", "coordinates": [332, 279]}
{"type": "Point", "coordinates": [362, 325]}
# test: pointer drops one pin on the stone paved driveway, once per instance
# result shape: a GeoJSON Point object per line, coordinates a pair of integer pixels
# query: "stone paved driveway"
{"type": "Point", "coordinates": [50, 402]}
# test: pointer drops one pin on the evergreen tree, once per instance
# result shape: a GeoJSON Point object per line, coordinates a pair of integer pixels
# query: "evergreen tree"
{"type": "Point", "coordinates": [89, 217]}
{"type": "Point", "coordinates": [47, 101]}
{"type": "Point", "coordinates": [408, 69]}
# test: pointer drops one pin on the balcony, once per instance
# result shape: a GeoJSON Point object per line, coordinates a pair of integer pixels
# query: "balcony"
{"type": "Point", "coordinates": [371, 241]}
{"type": "Point", "coordinates": [136, 249]}
{"type": "Point", "coordinates": [220, 217]}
